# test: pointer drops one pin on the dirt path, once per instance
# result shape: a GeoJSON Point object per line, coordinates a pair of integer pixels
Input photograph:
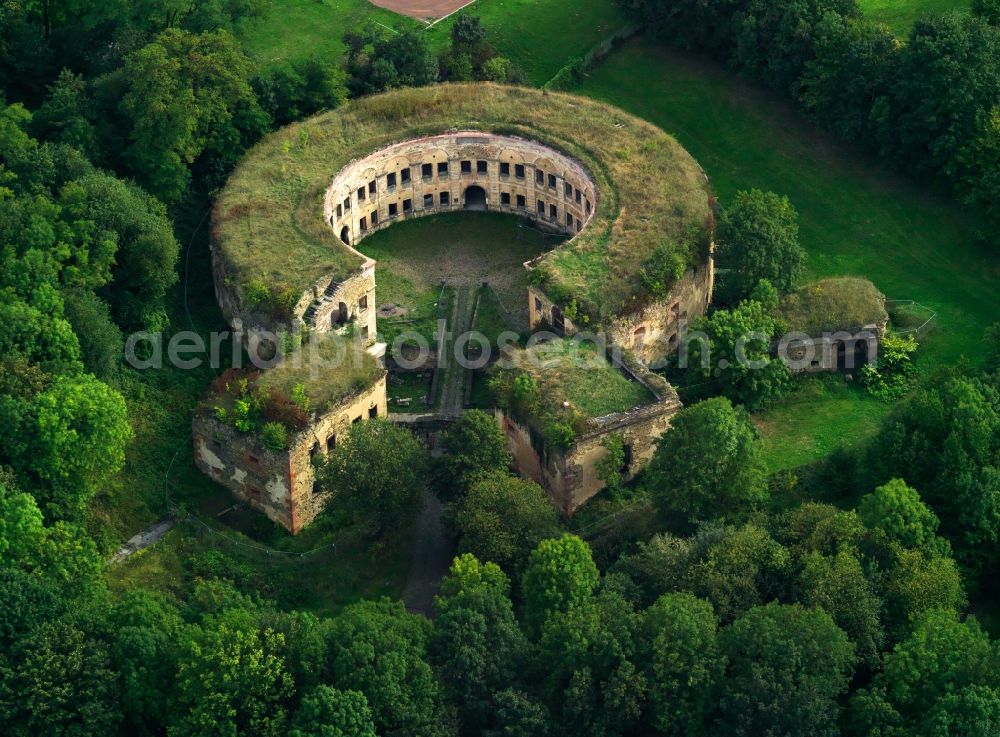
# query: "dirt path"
{"type": "Point", "coordinates": [144, 539]}
{"type": "Point", "coordinates": [453, 392]}
{"type": "Point", "coordinates": [430, 557]}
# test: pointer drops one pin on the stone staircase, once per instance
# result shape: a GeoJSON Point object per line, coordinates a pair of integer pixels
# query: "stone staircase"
{"type": "Point", "coordinates": [310, 313]}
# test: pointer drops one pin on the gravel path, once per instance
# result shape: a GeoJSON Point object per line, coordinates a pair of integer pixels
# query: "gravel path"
{"type": "Point", "coordinates": [454, 388]}
{"type": "Point", "coordinates": [144, 539]}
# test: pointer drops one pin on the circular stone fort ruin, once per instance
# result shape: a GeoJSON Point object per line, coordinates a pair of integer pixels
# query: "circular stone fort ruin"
{"type": "Point", "coordinates": [631, 200]}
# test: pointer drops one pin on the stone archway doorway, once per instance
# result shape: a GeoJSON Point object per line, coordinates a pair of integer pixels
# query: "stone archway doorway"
{"type": "Point", "coordinates": [475, 198]}
{"type": "Point", "coordinates": [345, 235]}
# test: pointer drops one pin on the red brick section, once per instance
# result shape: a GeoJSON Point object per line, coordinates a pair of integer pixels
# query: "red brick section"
{"type": "Point", "coordinates": [421, 8]}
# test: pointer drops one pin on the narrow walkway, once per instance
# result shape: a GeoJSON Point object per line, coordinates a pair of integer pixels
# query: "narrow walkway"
{"type": "Point", "coordinates": [430, 557]}
{"type": "Point", "coordinates": [144, 539]}
{"type": "Point", "coordinates": [453, 391]}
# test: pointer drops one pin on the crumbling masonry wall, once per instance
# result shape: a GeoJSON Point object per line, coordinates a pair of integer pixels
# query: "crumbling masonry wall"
{"type": "Point", "coordinates": [281, 484]}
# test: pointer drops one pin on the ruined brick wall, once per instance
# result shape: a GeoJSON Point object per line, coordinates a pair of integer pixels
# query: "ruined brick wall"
{"type": "Point", "coordinates": [516, 175]}
{"type": "Point", "coordinates": [843, 350]}
{"type": "Point", "coordinates": [570, 477]}
{"type": "Point", "coordinates": [280, 484]}
{"type": "Point", "coordinates": [652, 332]}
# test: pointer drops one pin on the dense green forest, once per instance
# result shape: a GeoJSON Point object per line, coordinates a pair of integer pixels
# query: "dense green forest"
{"type": "Point", "coordinates": [712, 596]}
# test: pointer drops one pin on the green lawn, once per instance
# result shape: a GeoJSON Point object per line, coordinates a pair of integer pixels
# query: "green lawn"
{"type": "Point", "coordinates": [541, 36]}
{"type": "Point", "coordinates": [900, 15]}
{"type": "Point", "coordinates": [414, 258]}
{"type": "Point", "coordinates": [297, 29]}
{"type": "Point", "coordinates": [855, 220]}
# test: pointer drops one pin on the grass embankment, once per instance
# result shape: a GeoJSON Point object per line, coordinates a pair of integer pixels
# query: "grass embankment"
{"type": "Point", "coordinates": [856, 219]}
{"type": "Point", "coordinates": [540, 36]}
{"type": "Point", "coordinates": [900, 15]}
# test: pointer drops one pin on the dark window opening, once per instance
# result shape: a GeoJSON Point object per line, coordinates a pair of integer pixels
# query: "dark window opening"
{"type": "Point", "coordinates": [393, 209]}
{"type": "Point", "coordinates": [558, 321]}
{"type": "Point", "coordinates": [539, 176]}
{"type": "Point", "coordinates": [445, 198]}
{"type": "Point", "coordinates": [579, 196]}
{"type": "Point", "coordinates": [340, 211]}
{"type": "Point", "coordinates": [428, 200]}
{"type": "Point", "coordinates": [505, 198]}
{"type": "Point", "coordinates": [426, 170]}
{"type": "Point", "coordinates": [407, 205]}
{"type": "Point", "coordinates": [361, 194]}
{"type": "Point", "coordinates": [347, 203]}
{"type": "Point", "coordinates": [372, 189]}
{"type": "Point", "coordinates": [364, 224]}
{"type": "Point", "coordinates": [466, 167]}
{"type": "Point", "coordinates": [482, 167]}
{"type": "Point", "coordinates": [374, 217]}
{"type": "Point", "coordinates": [569, 220]}
{"type": "Point", "coordinates": [505, 169]}
{"type": "Point", "coordinates": [363, 302]}
{"type": "Point", "coordinates": [553, 212]}
{"type": "Point", "coordinates": [587, 208]}
{"type": "Point", "coordinates": [540, 207]}
{"type": "Point", "coordinates": [404, 176]}
{"type": "Point", "coordinates": [373, 412]}
{"type": "Point", "coordinates": [519, 171]}
{"type": "Point", "coordinates": [390, 179]}
{"type": "Point", "coordinates": [552, 180]}
{"type": "Point", "coordinates": [567, 190]}
{"type": "Point", "coordinates": [521, 202]}
{"type": "Point", "coordinates": [442, 168]}
{"type": "Point", "coordinates": [331, 443]}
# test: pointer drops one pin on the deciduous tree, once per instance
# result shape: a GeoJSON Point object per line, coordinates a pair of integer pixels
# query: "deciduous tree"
{"type": "Point", "coordinates": [708, 465]}
{"type": "Point", "coordinates": [501, 518]}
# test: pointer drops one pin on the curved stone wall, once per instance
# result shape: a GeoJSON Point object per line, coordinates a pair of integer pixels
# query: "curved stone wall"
{"type": "Point", "coordinates": [457, 171]}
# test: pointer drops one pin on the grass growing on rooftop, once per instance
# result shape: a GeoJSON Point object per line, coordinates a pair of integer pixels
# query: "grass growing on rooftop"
{"type": "Point", "coordinates": [854, 217]}
{"type": "Point", "coordinates": [833, 304]}
{"type": "Point", "coordinates": [328, 367]}
{"type": "Point", "coordinates": [580, 374]}
{"type": "Point", "coordinates": [268, 221]}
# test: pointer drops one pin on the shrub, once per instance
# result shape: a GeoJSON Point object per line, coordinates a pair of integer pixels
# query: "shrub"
{"type": "Point", "coordinates": [891, 377]}
{"type": "Point", "coordinates": [274, 435]}
{"type": "Point", "coordinates": [256, 293]}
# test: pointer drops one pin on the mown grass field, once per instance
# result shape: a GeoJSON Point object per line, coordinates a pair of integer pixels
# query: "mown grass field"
{"type": "Point", "coordinates": [298, 29]}
{"type": "Point", "coordinates": [900, 15]}
{"type": "Point", "coordinates": [541, 36]}
{"type": "Point", "coordinates": [856, 219]}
